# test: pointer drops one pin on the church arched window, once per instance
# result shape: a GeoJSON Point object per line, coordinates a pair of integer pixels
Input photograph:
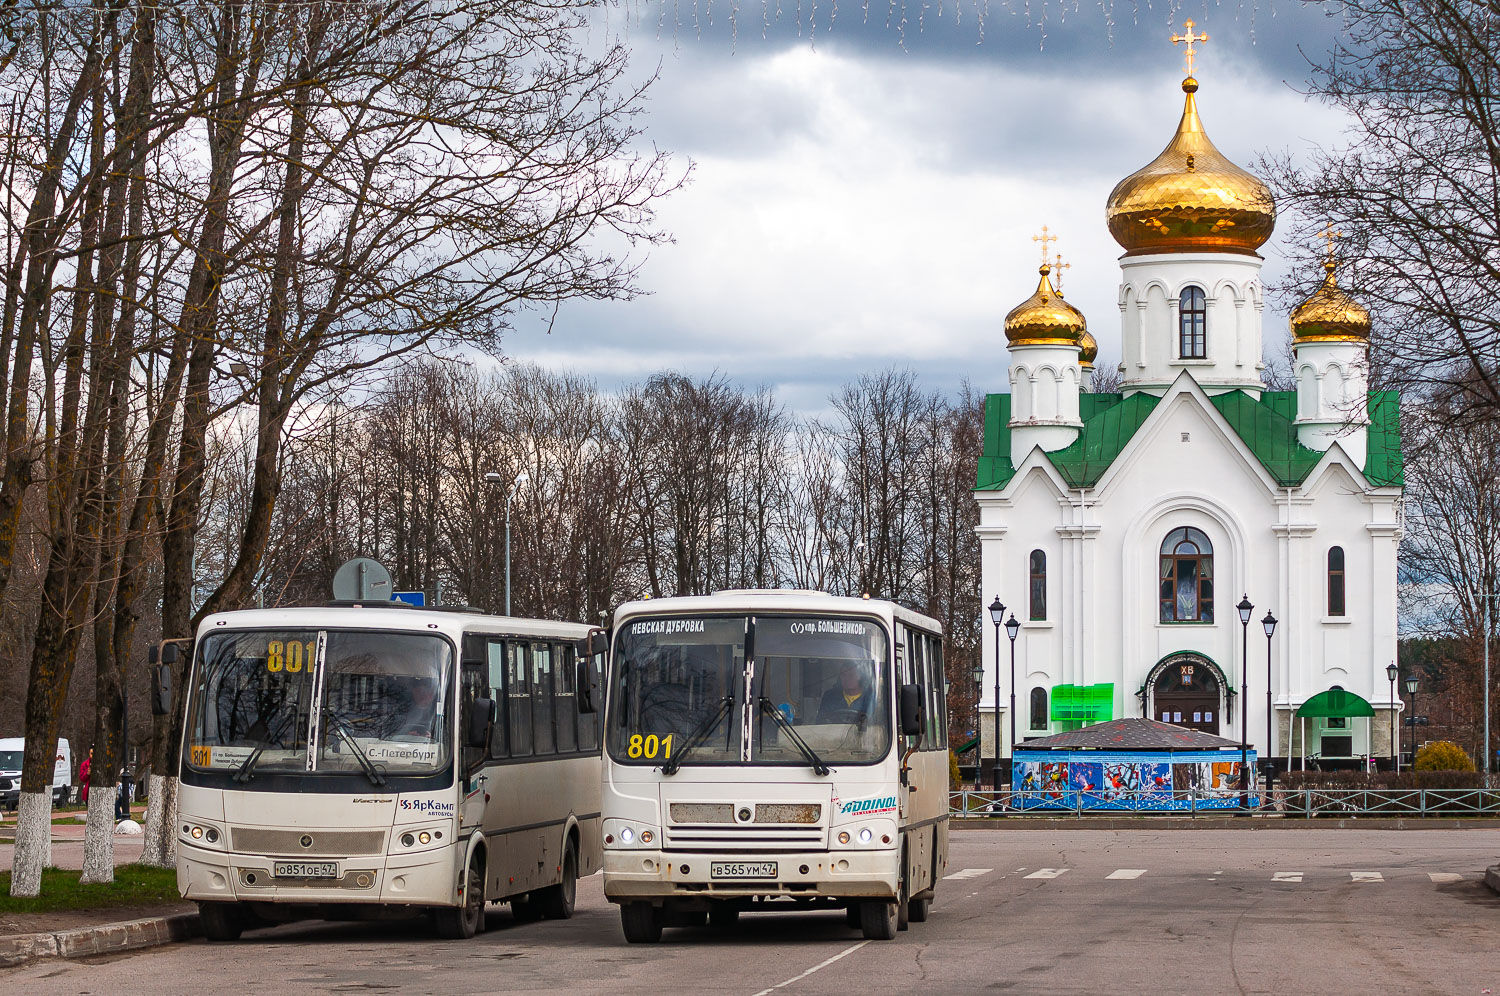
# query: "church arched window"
{"type": "Point", "coordinates": [1192, 324]}
{"type": "Point", "coordinates": [1038, 586]}
{"type": "Point", "coordinates": [1335, 581]}
{"type": "Point", "coordinates": [1187, 577]}
{"type": "Point", "coordinates": [1038, 709]}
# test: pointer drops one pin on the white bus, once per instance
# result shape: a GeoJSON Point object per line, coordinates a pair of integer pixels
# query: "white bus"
{"type": "Point", "coordinates": [360, 762]}
{"type": "Point", "coordinates": [774, 750]}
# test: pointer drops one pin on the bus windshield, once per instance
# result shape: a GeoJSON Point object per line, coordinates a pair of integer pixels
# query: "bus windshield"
{"type": "Point", "coordinates": [679, 691]}
{"type": "Point", "coordinates": [384, 694]}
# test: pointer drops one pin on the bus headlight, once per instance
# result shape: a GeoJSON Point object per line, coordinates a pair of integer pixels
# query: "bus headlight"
{"type": "Point", "coordinates": [626, 833]}
{"type": "Point", "coordinates": [202, 834]}
{"type": "Point", "coordinates": [874, 834]}
{"type": "Point", "coordinates": [865, 834]}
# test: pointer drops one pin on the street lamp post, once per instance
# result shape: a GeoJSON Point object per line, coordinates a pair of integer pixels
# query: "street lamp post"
{"type": "Point", "coordinates": [1393, 672]}
{"type": "Point", "coordinates": [1245, 608]}
{"type": "Point", "coordinates": [494, 478]}
{"type": "Point", "coordinates": [1269, 624]}
{"type": "Point", "coordinates": [997, 616]}
{"type": "Point", "coordinates": [1411, 689]}
{"type": "Point", "coordinates": [1012, 627]}
{"type": "Point", "coordinates": [978, 720]}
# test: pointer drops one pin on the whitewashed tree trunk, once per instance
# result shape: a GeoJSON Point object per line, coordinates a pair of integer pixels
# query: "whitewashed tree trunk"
{"type": "Point", "coordinates": [99, 837]}
{"type": "Point", "coordinates": [33, 850]}
{"type": "Point", "coordinates": [160, 850]}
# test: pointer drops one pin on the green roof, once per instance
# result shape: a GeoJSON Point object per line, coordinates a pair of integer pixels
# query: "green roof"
{"type": "Point", "coordinates": [1336, 702]}
{"type": "Point", "coordinates": [1266, 425]}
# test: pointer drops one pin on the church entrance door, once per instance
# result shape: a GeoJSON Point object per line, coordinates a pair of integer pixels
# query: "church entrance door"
{"type": "Point", "coordinates": [1187, 693]}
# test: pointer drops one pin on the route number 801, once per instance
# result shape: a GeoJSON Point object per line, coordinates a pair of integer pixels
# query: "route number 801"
{"type": "Point", "coordinates": [649, 746]}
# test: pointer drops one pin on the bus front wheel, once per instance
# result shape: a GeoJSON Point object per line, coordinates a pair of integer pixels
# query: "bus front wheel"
{"type": "Point", "coordinates": [459, 923]}
{"type": "Point", "coordinates": [877, 920]}
{"type": "Point", "coordinates": [221, 921]}
{"type": "Point", "coordinates": [641, 922]}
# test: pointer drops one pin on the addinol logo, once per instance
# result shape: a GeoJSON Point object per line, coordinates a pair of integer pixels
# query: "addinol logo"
{"type": "Point", "coordinates": [866, 807]}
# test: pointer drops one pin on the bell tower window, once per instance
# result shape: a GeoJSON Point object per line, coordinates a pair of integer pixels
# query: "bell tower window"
{"type": "Point", "coordinates": [1192, 324]}
{"type": "Point", "coordinates": [1187, 577]}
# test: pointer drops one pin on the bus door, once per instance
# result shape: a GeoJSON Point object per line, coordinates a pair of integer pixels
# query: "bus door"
{"type": "Point", "coordinates": [473, 776]}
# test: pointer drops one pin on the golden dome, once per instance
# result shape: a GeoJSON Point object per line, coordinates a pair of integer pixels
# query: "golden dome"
{"type": "Point", "coordinates": [1330, 315]}
{"type": "Point", "coordinates": [1088, 350]}
{"type": "Point", "coordinates": [1190, 198]}
{"type": "Point", "coordinates": [1044, 318]}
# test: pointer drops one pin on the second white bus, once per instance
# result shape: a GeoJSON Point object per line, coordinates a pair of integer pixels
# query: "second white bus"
{"type": "Point", "coordinates": [357, 762]}
{"type": "Point", "coordinates": [769, 750]}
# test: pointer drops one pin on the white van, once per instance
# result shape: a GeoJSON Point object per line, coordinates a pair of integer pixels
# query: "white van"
{"type": "Point", "coordinates": [11, 751]}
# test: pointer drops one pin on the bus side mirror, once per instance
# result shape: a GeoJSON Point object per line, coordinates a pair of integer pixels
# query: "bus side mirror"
{"type": "Point", "coordinates": [587, 688]}
{"type": "Point", "coordinates": [596, 643]}
{"type": "Point", "coordinates": [161, 690]}
{"type": "Point", "coordinates": [482, 715]}
{"type": "Point", "coordinates": [911, 710]}
{"type": "Point", "coordinates": [169, 654]}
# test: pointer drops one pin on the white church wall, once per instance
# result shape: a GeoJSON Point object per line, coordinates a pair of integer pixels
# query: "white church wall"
{"type": "Point", "coordinates": [1231, 285]}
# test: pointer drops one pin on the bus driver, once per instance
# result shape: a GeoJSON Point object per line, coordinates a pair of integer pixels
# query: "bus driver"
{"type": "Point", "coordinates": [850, 700]}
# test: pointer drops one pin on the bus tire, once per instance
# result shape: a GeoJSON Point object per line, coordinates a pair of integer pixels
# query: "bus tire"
{"type": "Point", "coordinates": [917, 909]}
{"type": "Point", "coordinates": [877, 920]}
{"type": "Point", "coordinates": [852, 915]}
{"type": "Point", "coordinates": [723, 914]}
{"type": "Point", "coordinates": [221, 921]}
{"type": "Point", "coordinates": [641, 922]}
{"type": "Point", "coordinates": [556, 902]}
{"type": "Point", "coordinates": [902, 906]}
{"type": "Point", "coordinates": [459, 923]}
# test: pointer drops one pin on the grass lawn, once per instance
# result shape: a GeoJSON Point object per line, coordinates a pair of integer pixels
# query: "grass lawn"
{"type": "Point", "coordinates": [134, 885]}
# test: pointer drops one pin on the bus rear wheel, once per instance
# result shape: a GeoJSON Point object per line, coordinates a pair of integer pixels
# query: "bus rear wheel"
{"type": "Point", "coordinates": [221, 921]}
{"type": "Point", "coordinates": [641, 922]}
{"type": "Point", "coordinates": [557, 901]}
{"type": "Point", "coordinates": [459, 923]}
{"type": "Point", "coordinates": [917, 909]}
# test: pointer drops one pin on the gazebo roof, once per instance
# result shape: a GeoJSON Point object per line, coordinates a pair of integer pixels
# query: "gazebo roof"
{"type": "Point", "coordinates": [1336, 702]}
{"type": "Point", "coordinates": [1129, 734]}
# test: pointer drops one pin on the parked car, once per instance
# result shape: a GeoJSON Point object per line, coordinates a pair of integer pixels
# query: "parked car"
{"type": "Point", "coordinates": [12, 750]}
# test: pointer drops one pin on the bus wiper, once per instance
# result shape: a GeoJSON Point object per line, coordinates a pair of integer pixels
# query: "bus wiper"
{"type": "Point", "coordinates": [246, 771]}
{"type": "Point", "coordinates": [371, 771]}
{"type": "Point", "coordinates": [818, 766]}
{"type": "Point", "coordinates": [697, 737]}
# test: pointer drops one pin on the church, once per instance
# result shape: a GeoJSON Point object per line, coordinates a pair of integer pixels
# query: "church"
{"type": "Point", "coordinates": [1194, 549]}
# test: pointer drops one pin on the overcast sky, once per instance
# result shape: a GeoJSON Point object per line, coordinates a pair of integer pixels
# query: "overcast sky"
{"type": "Point", "coordinates": [865, 197]}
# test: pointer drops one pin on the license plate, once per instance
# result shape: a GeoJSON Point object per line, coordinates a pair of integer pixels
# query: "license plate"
{"type": "Point", "coordinates": [742, 869]}
{"type": "Point", "coordinates": [307, 869]}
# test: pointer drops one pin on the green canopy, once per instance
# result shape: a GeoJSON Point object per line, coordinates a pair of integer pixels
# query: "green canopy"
{"type": "Point", "coordinates": [1336, 702]}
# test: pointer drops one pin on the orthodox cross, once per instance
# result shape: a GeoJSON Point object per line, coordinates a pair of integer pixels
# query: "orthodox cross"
{"type": "Point", "coordinates": [1058, 266]}
{"type": "Point", "coordinates": [1044, 239]}
{"type": "Point", "coordinates": [1190, 38]}
{"type": "Point", "coordinates": [1330, 236]}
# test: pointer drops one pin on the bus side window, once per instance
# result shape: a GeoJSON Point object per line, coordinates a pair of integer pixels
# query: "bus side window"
{"type": "Point", "coordinates": [541, 698]}
{"type": "Point", "coordinates": [916, 644]}
{"type": "Point", "coordinates": [495, 659]}
{"type": "Point", "coordinates": [565, 702]}
{"type": "Point", "coordinates": [518, 697]}
{"type": "Point", "coordinates": [588, 725]}
{"type": "Point", "coordinates": [937, 723]}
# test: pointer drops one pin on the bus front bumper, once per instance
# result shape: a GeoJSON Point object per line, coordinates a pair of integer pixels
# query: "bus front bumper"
{"type": "Point", "coordinates": [632, 875]}
{"type": "Point", "coordinates": [421, 879]}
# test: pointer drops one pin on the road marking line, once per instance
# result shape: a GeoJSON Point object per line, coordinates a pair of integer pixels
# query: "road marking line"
{"type": "Point", "coordinates": [964, 873]}
{"type": "Point", "coordinates": [1438, 878]}
{"type": "Point", "coordinates": [1287, 877]}
{"type": "Point", "coordinates": [1367, 876]}
{"type": "Point", "coordinates": [818, 967]}
{"type": "Point", "coordinates": [1126, 873]}
{"type": "Point", "coordinates": [1047, 873]}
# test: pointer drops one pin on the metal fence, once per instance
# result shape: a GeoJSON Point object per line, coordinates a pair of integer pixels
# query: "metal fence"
{"type": "Point", "coordinates": [1283, 802]}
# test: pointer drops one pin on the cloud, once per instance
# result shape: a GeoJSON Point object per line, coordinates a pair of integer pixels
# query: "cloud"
{"type": "Point", "coordinates": [853, 210]}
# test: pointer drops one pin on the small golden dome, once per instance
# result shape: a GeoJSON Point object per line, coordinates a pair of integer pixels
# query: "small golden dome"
{"type": "Point", "coordinates": [1190, 198]}
{"type": "Point", "coordinates": [1088, 350]}
{"type": "Point", "coordinates": [1330, 315]}
{"type": "Point", "coordinates": [1044, 318]}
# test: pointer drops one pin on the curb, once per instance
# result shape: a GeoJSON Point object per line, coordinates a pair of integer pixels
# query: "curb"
{"type": "Point", "coordinates": [1218, 823]}
{"type": "Point", "coordinates": [1492, 877]}
{"type": "Point", "coordinates": [106, 938]}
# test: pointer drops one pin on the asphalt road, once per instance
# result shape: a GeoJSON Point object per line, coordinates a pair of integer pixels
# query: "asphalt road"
{"type": "Point", "coordinates": [1023, 911]}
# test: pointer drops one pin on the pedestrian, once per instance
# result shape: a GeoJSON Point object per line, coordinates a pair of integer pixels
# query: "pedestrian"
{"type": "Point", "coordinates": [83, 774]}
{"type": "Point", "coordinates": [122, 795]}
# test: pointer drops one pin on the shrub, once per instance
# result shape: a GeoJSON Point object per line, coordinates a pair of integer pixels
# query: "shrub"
{"type": "Point", "coordinates": [1379, 780]}
{"type": "Point", "coordinates": [1442, 755]}
{"type": "Point", "coordinates": [955, 780]}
